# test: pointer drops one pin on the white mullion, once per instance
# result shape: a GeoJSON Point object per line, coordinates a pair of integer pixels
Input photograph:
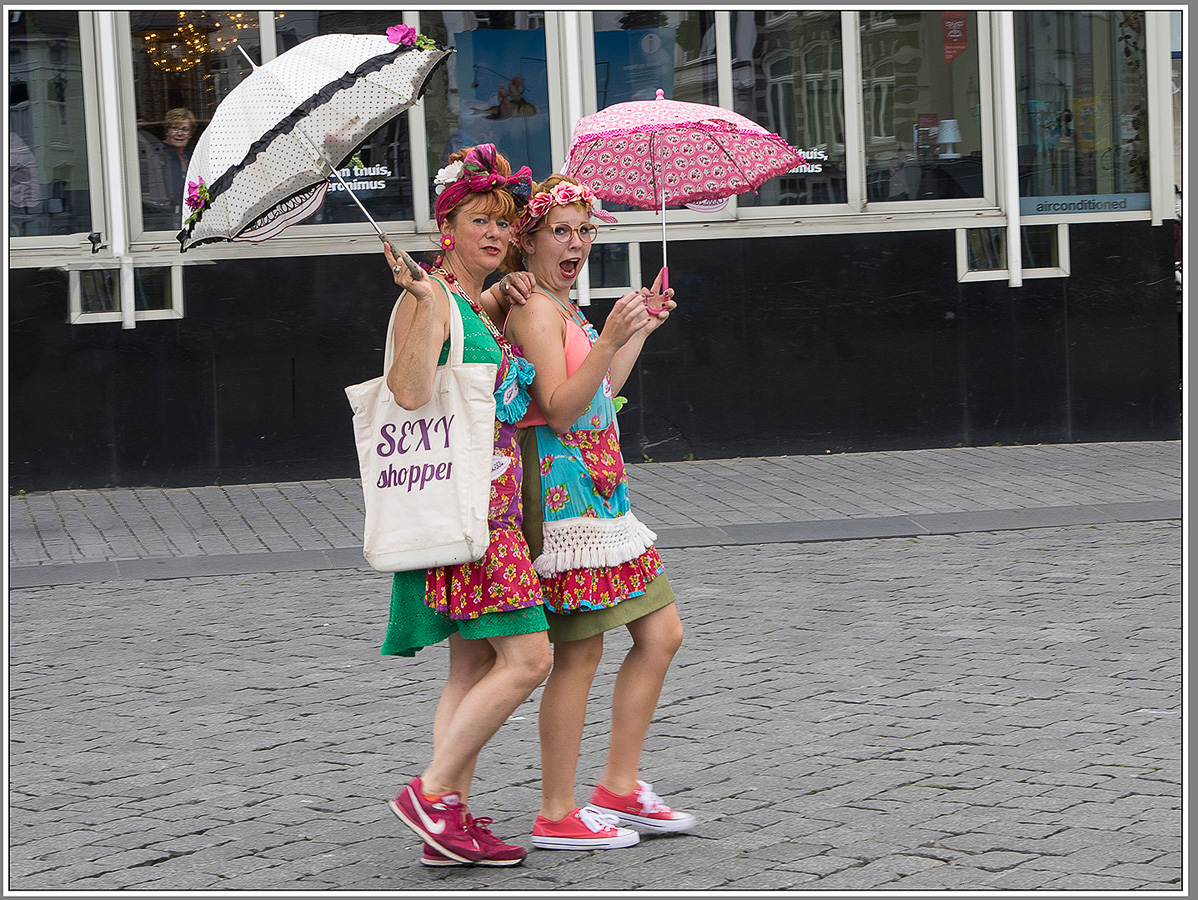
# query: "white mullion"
{"type": "Point", "coordinates": [1160, 115]}
{"type": "Point", "coordinates": [1010, 131]}
{"type": "Point", "coordinates": [987, 75]}
{"type": "Point", "coordinates": [561, 55]}
{"type": "Point", "coordinates": [723, 84]}
{"type": "Point", "coordinates": [268, 45]}
{"type": "Point", "coordinates": [854, 116]}
{"type": "Point", "coordinates": [93, 124]}
{"type": "Point", "coordinates": [422, 211]}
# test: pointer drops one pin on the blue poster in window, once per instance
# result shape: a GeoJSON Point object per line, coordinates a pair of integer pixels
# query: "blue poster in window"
{"type": "Point", "coordinates": [633, 64]}
{"type": "Point", "coordinates": [501, 79]}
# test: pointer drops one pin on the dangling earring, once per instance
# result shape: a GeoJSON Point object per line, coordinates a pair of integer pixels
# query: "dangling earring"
{"type": "Point", "coordinates": [447, 242]}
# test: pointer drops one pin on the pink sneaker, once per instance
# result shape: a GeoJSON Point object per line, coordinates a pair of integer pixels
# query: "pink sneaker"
{"type": "Point", "coordinates": [642, 808]}
{"type": "Point", "coordinates": [583, 829]}
{"type": "Point", "coordinates": [442, 823]}
{"type": "Point", "coordinates": [495, 851]}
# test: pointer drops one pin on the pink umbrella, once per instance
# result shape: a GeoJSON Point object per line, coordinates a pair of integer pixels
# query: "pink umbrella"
{"type": "Point", "coordinates": [652, 152]}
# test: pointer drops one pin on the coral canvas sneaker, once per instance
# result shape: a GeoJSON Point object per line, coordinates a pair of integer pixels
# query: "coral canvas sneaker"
{"type": "Point", "coordinates": [495, 851]}
{"type": "Point", "coordinates": [440, 823]}
{"type": "Point", "coordinates": [583, 829]}
{"type": "Point", "coordinates": [641, 808]}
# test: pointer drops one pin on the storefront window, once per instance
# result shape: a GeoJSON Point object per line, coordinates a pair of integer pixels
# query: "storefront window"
{"type": "Point", "coordinates": [1083, 126]}
{"type": "Point", "coordinates": [788, 76]}
{"type": "Point", "coordinates": [638, 52]}
{"type": "Point", "coordinates": [47, 156]}
{"type": "Point", "coordinates": [922, 105]}
{"type": "Point", "coordinates": [494, 89]}
{"type": "Point", "coordinates": [380, 171]}
{"type": "Point", "coordinates": [184, 64]}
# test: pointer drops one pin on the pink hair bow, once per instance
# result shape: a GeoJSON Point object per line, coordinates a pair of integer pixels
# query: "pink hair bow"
{"type": "Point", "coordinates": [479, 175]}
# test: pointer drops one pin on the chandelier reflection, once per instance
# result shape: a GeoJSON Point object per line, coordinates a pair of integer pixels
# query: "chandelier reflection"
{"type": "Point", "coordinates": [182, 47]}
{"type": "Point", "coordinates": [196, 33]}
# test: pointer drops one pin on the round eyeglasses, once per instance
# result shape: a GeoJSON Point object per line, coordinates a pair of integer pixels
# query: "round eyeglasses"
{"type": "Point", "coordinates": [561, 232]}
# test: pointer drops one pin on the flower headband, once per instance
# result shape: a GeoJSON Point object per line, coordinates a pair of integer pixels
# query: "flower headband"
{"type": "Point", "coordinates": [562, 194]}
{"type": "Point", "coordinates": [476, 174]}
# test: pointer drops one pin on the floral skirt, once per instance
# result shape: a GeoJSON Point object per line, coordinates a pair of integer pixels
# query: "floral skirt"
{"type": "Point", "coordinates": [503, 579]}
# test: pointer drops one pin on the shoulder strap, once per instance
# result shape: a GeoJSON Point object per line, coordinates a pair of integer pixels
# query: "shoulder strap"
{"type": "Point", "coordinates": [457, 330]}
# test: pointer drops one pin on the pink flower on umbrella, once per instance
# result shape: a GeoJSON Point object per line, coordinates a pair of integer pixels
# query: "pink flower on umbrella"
{"type": "Point", "coordinates": [197, 198]}
{"type": "Point", "coordinates": [407, 36]}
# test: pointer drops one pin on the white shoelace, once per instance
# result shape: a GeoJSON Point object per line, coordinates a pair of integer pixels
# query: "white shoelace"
{"type": "Point", "coordinates": [650, 802]}
{"type": "Point", "coordinates": [595, 820]}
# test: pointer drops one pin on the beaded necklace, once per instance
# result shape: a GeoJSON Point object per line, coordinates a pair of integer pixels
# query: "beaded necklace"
{"type": "Point", "coordinates": [504, 344]}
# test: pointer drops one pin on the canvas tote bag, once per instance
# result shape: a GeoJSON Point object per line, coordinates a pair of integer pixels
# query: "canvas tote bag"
{"type": "Point", "coordinates": [426, 473]}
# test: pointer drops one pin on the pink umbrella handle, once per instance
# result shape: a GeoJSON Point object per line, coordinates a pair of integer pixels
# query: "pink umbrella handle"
{"type": "Point", "coordinates": [665, 279]}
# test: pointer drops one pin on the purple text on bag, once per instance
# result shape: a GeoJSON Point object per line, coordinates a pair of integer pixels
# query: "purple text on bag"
{"type": "Point", "coordinates": [415, 477]}
{"type": "Point", "coordinates": [408, 430]}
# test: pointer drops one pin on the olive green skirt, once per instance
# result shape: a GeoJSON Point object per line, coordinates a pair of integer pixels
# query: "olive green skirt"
{"type": "Point", "coordinates": [582, 624]}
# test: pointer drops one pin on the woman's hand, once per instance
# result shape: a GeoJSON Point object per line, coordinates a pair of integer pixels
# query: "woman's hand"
{"type": "Point", "coordinates": [658, 304]}
{"type": "Point", "coordinates": [420, 288]}
{"type": "Point", "coordinates": [513, 289]}
{"type": "Point", "coordinates": [628, 317]}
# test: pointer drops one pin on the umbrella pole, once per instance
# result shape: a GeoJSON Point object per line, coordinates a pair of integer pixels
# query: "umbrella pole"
{"type": "Point", "coordinates": [382, 234]}
{"type": "Point", "coordinates": [665, 269]}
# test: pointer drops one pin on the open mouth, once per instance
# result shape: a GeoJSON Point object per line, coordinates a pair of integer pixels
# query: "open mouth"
{"type": "Point", "coordinates": [569, 267]}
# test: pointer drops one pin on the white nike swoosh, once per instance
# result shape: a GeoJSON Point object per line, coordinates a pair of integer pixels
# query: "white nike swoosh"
{"type": "Point", "coordinates": [433, 827]}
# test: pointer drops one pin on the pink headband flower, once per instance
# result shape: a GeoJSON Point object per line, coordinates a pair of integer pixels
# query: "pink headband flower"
{"type": "Point", "coordinates": [562, 194]}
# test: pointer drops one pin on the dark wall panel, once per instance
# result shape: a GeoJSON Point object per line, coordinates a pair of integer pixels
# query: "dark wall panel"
{"type": "Point", "coordinates": [779, 345]}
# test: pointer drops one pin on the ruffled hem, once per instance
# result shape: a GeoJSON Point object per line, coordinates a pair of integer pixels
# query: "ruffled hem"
{"type": "Point", "coordinates": [589, 589]}
{"type": "Point", "coordinates": [587, 542]}
{"type": "Point", "coordinates": [501, 581]}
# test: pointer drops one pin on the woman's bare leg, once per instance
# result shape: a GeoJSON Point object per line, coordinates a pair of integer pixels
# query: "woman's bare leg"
{"type": "Point", "coordinates": [563, 714]}
{"type": "Point", "coordinates": [656, 637]}
{"type": "Point", "coordinates": [521, 663]}
{"type": "Point", "coordinates": [469, 662]}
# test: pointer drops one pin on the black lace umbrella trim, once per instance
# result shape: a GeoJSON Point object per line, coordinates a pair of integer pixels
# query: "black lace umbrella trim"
{"type": "Point", "coordinates": [292, 119]}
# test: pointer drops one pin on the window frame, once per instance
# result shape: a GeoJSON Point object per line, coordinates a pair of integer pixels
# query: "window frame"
{"type": "Point", "coordinates": [569, 44]}
{"type": "Point", "coordinates": [1062, 269]}
{"type": "Point", "coordinates": [127, 293]}
{"type": "Point", "coordinates": [49, 247]}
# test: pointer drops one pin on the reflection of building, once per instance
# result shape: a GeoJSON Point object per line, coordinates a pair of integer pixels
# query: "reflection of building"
{"type": "Point", "coordinates": [899, 297]}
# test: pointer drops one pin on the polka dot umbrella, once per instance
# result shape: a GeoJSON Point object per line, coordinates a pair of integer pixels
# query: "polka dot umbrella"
{"type": "Point", "coordinates": [265, 160]}
{"type": "Point", "coordinates": [649, 153]}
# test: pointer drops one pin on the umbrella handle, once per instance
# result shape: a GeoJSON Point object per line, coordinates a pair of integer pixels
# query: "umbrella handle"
{"type": "Point", "coordinates": [665, 279]}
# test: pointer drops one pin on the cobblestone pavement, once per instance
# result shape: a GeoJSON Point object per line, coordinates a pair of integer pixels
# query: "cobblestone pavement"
{"type": "Point", "coordinates": [970, 712]}
{"type": "Point", "coordinates": [74, 536]}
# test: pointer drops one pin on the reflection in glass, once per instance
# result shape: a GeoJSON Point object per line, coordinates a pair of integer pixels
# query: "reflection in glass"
{"type": "Point", "coordinates": [380, 171]}
{"type": "Point", "coordinates": [494, 89]}
{"type": "Point", "coordinates": [99, 290]}
{"type": "Point", "coordinates": [639, 51]}
{"type": "Point", "coordinates": [184, 64]}
{"type": "Point", "coordinates": [152, 288]}
{"type": "Point", "coordinates": [920, 69]}
{"type": "Point", "coordinates": [1082, 98]}
{"type": "Point", "coordinates": [1040, 250]}
{"type": "Point", "coordinates": [608, 265]}
{"type": "Point", "coordinates": [986, 249]}
{"type": "Point", "coordinates": [788, 76]}
{"type": "Point", "coordinates": [47, 156]}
